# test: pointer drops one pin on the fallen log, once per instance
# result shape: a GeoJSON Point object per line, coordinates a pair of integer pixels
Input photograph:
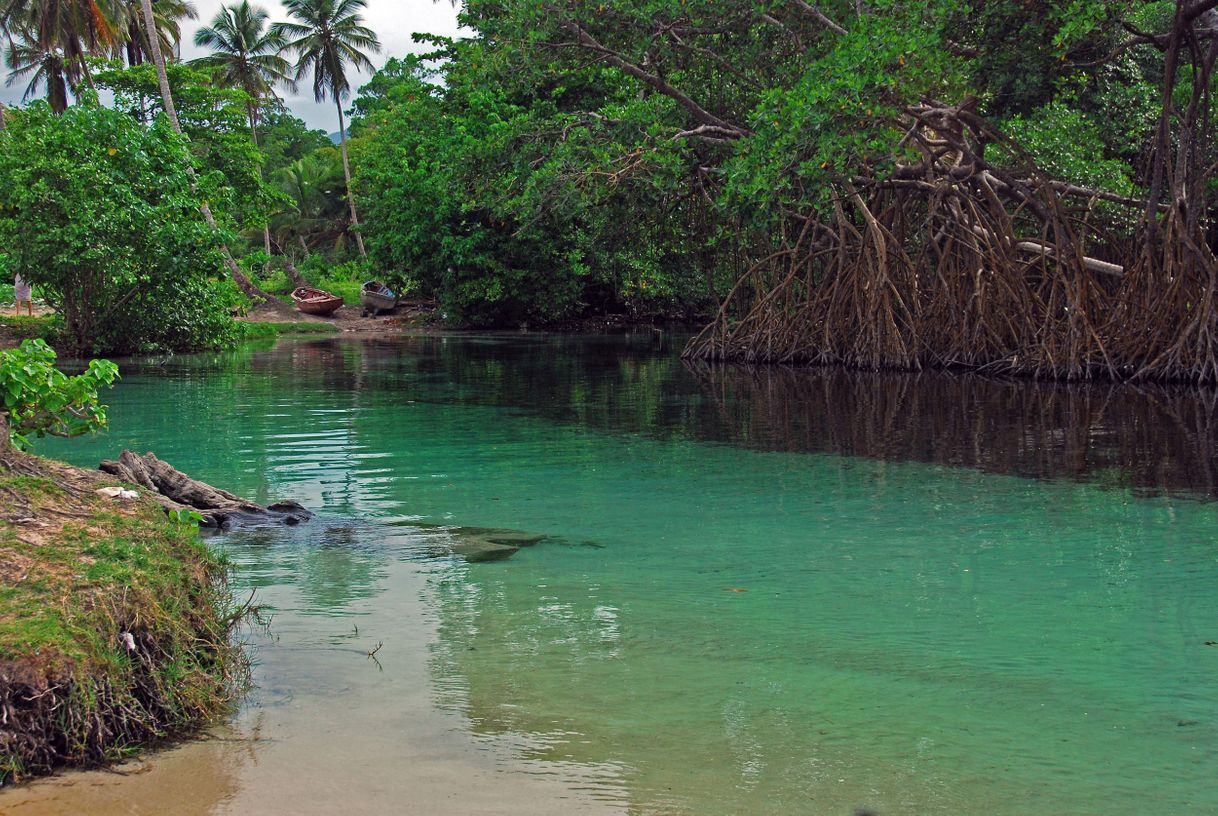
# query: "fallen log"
{"type": "Point", "coordinates": [174, 490]}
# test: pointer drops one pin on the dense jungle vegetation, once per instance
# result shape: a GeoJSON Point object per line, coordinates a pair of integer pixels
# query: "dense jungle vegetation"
{"type": "Point", "coordinates": [1017, 185]}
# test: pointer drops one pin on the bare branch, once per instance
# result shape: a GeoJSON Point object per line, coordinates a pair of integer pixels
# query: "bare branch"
{"type": "Point", "coordinates": [708, 133]}
{"type": "Point", "coordinates": [586, 40]}
{"type": "Point", "coordinates": [822, 18]}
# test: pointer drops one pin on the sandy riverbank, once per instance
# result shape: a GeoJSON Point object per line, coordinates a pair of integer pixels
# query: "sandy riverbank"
{"type": "Point", "coordinates": [329, 731]}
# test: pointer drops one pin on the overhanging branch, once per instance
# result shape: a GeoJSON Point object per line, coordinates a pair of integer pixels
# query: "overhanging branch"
{"type": "Point", "coordinates": [701, 114]}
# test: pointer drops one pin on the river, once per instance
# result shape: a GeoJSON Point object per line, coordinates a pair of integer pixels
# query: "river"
{"type": "Point", "coordinates": [758, 591]}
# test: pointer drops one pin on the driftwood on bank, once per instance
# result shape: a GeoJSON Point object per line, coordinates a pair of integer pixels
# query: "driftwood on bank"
{"type": "Point", "coordinates": [177, 491]}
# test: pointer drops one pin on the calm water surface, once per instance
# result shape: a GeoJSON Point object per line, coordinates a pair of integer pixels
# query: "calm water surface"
{"type": "Point", "coordinates": [760, 591]}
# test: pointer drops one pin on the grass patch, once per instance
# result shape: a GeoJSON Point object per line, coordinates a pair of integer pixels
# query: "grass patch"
{"type": "Point", "coordinates": [257, 330]}
{"type": "Point", "coordinates": [115, 623]}
{"type": "Point", "coordinates": [345, 288]}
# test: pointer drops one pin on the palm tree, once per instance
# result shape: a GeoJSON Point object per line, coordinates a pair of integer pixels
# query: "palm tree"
{"type": "Point", "coordinates": [315, 212]}
{"type": "Point", "coordinates": [43, 66]}
{"type": "Point", "coordinates": [328, 37]}
{"type": "Point", "coordinates": [246, 56]}
{"type": "Point", "coordinates": [74, 28]}
{"type": "Point", "coordinates": [168, 15]}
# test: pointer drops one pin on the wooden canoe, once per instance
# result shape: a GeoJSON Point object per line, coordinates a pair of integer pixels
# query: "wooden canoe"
{"type": "Point", "coordinates": [315, 301]}
{"type": "Point", "coordinates": [376, 297]}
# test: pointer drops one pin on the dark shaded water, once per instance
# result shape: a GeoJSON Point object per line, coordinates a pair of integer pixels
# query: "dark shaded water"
{"type": "Point", "coordinates": [762, 591]}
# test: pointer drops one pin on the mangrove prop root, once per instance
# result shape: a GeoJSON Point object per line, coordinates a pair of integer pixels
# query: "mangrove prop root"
{"type": "Point", "coordinates": [950, 263]}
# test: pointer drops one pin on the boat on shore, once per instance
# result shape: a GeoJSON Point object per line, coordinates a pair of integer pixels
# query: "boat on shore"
{"type": "Point", "coordinates": [376, 297]}
{"type": "Point", "coordinates": [315, 301]}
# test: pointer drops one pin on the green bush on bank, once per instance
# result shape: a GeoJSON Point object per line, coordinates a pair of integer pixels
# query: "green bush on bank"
{"type": "Point", "coordinates": [36, 398]}
{"type": "Point", "coordinates": [97, 212]}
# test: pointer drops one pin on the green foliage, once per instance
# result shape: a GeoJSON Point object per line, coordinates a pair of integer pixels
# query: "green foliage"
{"type": "Point", "coordinates": [39, 399]}
{"type": "Point", "coordinates": [186, 517]}
{"type": "Point", "coordinates": [215, 120]}
{"type": "Point", "coordinates": [511, 209]}
{"type": "Point", "coordinates": [328, 37]}
{"type": "Point", "coordinates": [574, 156]}
{"type": "Point", "coordinates": [313, 214]}
{"type": "Point", "coordinates": [244, 54]}
{"type": "Point", "coordinates": [343, 279]}
{"type": "Point", "coordinates": [284, 138]}
{"type": "Point", "coordinates": [1067, 144]}
{"type": "Point", "coordinates": [839, 119]}
{"type": "Point", "coordinates": [97, 211]}
{"type": "Point", "coordinates": [559, 161]}
{"type": "Point", "coordinates": [261, 330]}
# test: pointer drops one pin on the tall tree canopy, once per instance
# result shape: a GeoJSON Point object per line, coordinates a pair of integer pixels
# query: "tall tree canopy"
{"type": "Point", "coordinates": [245, 54]}
{"type": "Point", "coordinates": [1017, 186]}
{"type": "Point", "coordinates": [329, 37]}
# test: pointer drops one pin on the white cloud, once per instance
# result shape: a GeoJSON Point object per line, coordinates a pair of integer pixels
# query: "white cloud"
{"type": "Point", "coordinates": [394, 21]}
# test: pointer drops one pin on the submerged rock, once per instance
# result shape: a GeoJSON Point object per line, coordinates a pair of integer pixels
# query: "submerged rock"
{"type": "Point", "coordinates": [474, 549]}
{"type": "Point", "coordinates": [475, 543]}
{"type": "Point", "coordinates": [497, 535]}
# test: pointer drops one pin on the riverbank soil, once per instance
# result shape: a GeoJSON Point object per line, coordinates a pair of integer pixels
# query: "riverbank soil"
{"type": "Point", "coordinates": [14, 329]}
{"type": "Point", "coordinates": [348, 318]}
{"type": "Point", "coordinates": [114, 622]}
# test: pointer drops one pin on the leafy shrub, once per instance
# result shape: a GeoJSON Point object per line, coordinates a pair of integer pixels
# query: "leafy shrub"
{"type": "Point", "coordinates": [40, 399]}
{"type": "Point", "coordinates": [97, 211]}
{"type": "Point", "coordinates": [344, 279]}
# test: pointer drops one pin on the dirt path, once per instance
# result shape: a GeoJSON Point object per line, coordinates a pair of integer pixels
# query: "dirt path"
{"type": "Point", "coordinates": [40, 310]}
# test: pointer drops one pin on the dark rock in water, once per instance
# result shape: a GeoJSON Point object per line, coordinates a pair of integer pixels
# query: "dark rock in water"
{"type": "Point", "coordinates": [476, 543]}
{"type": "Point", "coordinates": [474, 549]}
{"type": "Point", "coordinates": [177, 491]}
{"type": "Point", "coordinates": [497, 535]}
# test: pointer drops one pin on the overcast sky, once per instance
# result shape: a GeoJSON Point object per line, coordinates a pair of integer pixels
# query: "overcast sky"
{"type": "Point", "coordinates": [392, 20]}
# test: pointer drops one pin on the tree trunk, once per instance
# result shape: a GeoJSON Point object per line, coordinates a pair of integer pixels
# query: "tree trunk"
{"type": "Point", "coordinates": [245, 284]}
{"type": "Point", "coordinates": [266, 228]}
{"type": "Point", "coordinates": [134, 56]}
{"type": "Point", "coordinates": [294, 273]}
{"type": "Point", "coordinates": [342, 142]}
{"type": "Point", "coordinates": [57, 91]}
{"type": "Point", "coordinates": [174, 490]}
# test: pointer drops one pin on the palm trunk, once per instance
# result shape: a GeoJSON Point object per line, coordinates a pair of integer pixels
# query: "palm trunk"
{"type": "Point", "coordinates": [294, 273]}
{"type": "Point", "coordinates": [342, 143]}
{"type": "Point", "coordinates": [132, 47]}
{"type": "Point", "coordinates": [266, 228]}
{"type": "Point", "coordinates": [3, 110]}
{"type": "Point", "coordinates": [245, 284]}
{"type": "Point", "coordinates": [57, 91]}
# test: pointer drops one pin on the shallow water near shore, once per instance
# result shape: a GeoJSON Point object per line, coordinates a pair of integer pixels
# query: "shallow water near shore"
{"type": "Point", "coordinates": [759, 591]}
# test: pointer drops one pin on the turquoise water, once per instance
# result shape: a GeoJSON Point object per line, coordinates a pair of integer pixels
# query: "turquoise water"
{"type": "Point", "coordinates": [728, 615]}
